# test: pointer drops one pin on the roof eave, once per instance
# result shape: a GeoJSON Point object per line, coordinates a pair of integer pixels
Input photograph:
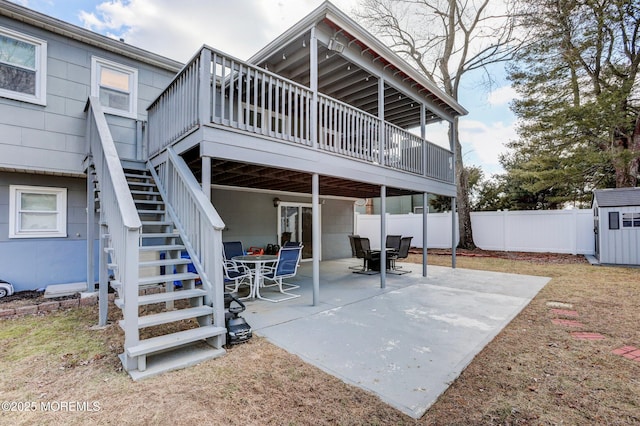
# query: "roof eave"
{"type": "Point", "coordinates": [328, 11]}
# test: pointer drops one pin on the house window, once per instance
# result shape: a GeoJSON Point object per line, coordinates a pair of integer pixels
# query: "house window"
{"type": "Point", "coordinates": [37, 212]}
{"type": "Point", "coordinates": [23, 67]}
{"type": "Point", "coordinates": [116, 87]}
{"type": "Point", "coordinates": [631, 220]}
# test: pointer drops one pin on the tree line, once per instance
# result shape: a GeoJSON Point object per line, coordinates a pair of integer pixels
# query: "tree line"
{"type": "Point", "coordinates": [574, 65]}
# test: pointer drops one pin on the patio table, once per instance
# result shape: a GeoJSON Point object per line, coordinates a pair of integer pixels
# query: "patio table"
{"type": "Point", "coordinates": [258, 261]}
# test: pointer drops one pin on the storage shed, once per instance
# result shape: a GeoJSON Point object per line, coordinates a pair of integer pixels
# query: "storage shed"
{"type": "Point", "coordinates": [616, 219]}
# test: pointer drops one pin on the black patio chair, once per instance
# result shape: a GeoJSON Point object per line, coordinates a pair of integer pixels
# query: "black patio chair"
{"type": "Point", "coordinates": [371, 259]}
{"type": "Point", "coordinates": [353, 250]}
{"type": "Point", "coordinates": [402, 253]}
{"type": "Point", "coordinates": [393, 242]}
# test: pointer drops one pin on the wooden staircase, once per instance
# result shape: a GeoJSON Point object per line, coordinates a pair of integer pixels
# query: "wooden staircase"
{"type": "Point", "coordinates": [175, 325]}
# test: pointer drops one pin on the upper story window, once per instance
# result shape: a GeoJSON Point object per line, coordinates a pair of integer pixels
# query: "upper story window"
{"type": "Point", "coordinates": [116, 86]}
{"type": "Point", "coordinates": [37, 212]}
{"type": "Point", "coordinates": [23, 67]}
{"type": "Point", "coordinates": [631, 220]}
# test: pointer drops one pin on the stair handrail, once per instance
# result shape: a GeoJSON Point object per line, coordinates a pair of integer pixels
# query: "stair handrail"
{"type": "Point", "coordinates": [118, 211]}
{"type": "Point", "coordinates": [197, 221]}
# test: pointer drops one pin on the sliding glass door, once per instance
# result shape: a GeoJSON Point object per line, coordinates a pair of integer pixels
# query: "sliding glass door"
{"type": "Point", "coordinates": [294, 224]}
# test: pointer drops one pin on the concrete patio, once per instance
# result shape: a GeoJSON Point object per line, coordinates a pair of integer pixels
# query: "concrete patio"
{"type": "Point", "coordinates": [407, 342]}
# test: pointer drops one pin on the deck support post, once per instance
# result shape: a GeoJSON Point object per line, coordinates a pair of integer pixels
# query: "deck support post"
{"type": "Point", "coordinates": [452, 143]}
{"type": "Point", "coordinates": [315, 235]}
{"type": "Point", "coordinates": [206, 177]}
{"type": "Point", "coordinates": [425, 210]}
{"type": "Point", "coordinates": [383, 236]}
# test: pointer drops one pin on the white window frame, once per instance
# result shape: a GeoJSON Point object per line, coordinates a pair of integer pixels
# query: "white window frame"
{"type": "Point", "coordinates": [15, 209]}
{"type": "Point", "coordinates": [631, 218]}
{"type": "Point", "coordinates": [99, 63]}
{"type": "Point", "coordinates": [40, 97]}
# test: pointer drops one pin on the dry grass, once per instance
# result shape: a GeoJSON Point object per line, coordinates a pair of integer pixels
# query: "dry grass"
{"type": "Point", "coordinates": [533, 372]}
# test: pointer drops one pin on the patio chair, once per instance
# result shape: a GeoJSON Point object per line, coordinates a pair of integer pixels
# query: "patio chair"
{"type": "Point", "coordinates": [233, 271]}
{"type": "Point", "coordinates": [354, 251]}
{"type": "Point", "coordinates": [402, 253]}
{"type": "Point", "coordinates": [235, 274]}
{"type": "Point", "coordinates": [232, 249]}
{"type": "Point", "coordinates": [292, 244]}
{"type": "Point", "coordinates": [285, 267]}
{"type": "Point", "coordinates": [393, 242]}
{"type": "Point", "coordinates": [363, 251]}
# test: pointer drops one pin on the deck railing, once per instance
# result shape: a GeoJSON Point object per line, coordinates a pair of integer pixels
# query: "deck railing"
{"type": "Point", "coordinates": [199, 224]}
{"type": "Point", "coordinates": [118, 211]}
{"type": "Point", "coordinates": [249, 98]}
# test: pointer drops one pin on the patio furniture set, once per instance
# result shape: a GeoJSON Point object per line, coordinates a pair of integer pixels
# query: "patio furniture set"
{"type": "Point", "coordinates": [252, 270]}
{"type": "Point", "coordinates": [396, 247]}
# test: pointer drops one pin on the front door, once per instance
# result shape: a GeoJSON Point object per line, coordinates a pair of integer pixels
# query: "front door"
{"type": "Point", "coordinates": [294, 224]}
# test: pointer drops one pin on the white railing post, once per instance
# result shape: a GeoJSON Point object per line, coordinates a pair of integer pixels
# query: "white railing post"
{"type": "Point", "coordinates": [204, 88]}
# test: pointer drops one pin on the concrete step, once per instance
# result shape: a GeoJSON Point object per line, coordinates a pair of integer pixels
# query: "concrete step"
{"type": "Point", "coordinates": [176, 359]}
{"type": "Point", "coordinates": [171, 316]}
{"type": "Point", "coordinates": [164, 297]}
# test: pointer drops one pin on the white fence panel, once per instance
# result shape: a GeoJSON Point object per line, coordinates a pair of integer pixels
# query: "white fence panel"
{"type": "Point", "coordinates": [556, 231]}
{"type": "Point", "coordinates": [407, 225]}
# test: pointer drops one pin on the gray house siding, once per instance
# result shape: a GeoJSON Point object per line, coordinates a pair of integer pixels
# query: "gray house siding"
{"type": "Point", "coordinates": [42, 141]}
{"type": "Point", "coordinates": [31, 263]}
{"type": "Point", "coordinates": [250, 217]}
{"type": "Point", "coordinates": [51, 137]}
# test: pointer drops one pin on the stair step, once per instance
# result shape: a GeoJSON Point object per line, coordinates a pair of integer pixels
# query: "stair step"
{"type": "Point", "coordinates": [160, 343]}
{"type": "Point", "coordinates": [171, 316]}
{"type": "Point", "coordinates": [156, 222]}
{"type": "Point", "coordinates": [168, 247]}
{"type": "Point", "coordinates": [167, 278]}
{"type": "Point", "coordinates": [151, 212]}
{"type": "Point", "coordinates": [143, 192]}
{"type": "Point", "coordinates": [164, 297]}
{"type": "Point", "coordinates": [153, 202]}
{"type": "Point", "coordinates": [145, 184]}
{"type": "Point", "coordinates": [137, 175]}
{"type": "Point", "coordinates": [175, 359]}
{"type": "Point", "coordinates": [164, 262]}
{"type": "Point", "coordinates": [160, 235]}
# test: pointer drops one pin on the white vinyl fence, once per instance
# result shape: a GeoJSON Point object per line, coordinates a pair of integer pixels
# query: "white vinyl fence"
{"type": "Point", "coordinates": [549, 231]}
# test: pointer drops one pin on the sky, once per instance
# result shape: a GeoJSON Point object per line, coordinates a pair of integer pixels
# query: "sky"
{"type": "Point", "coordinates": [177, 29]}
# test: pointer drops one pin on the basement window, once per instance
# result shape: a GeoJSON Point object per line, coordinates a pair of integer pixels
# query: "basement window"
{"type": "Point", "coordinates": [37, 212]}
{"type": "Point", "coordinates": [116, 87]}
{"type": "Point", "coordinates": [23, 67]}
{"type": "Point", "coordinates": [631, 220]}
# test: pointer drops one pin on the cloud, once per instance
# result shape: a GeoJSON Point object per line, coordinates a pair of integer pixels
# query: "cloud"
{"type": "Point", "coordinates": [502, 96]}
{"type": "Point", "coordinates": [238, 28]}
{"type": "Point", "coordinates": [486, 141]}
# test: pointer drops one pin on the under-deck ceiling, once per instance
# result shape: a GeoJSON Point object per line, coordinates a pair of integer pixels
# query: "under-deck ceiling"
{"type": "Point", "coordinates": [253, 176]}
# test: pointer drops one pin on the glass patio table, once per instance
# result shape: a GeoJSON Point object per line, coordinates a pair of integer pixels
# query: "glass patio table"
{"type": "Point", "coordinates": [258, 261]}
